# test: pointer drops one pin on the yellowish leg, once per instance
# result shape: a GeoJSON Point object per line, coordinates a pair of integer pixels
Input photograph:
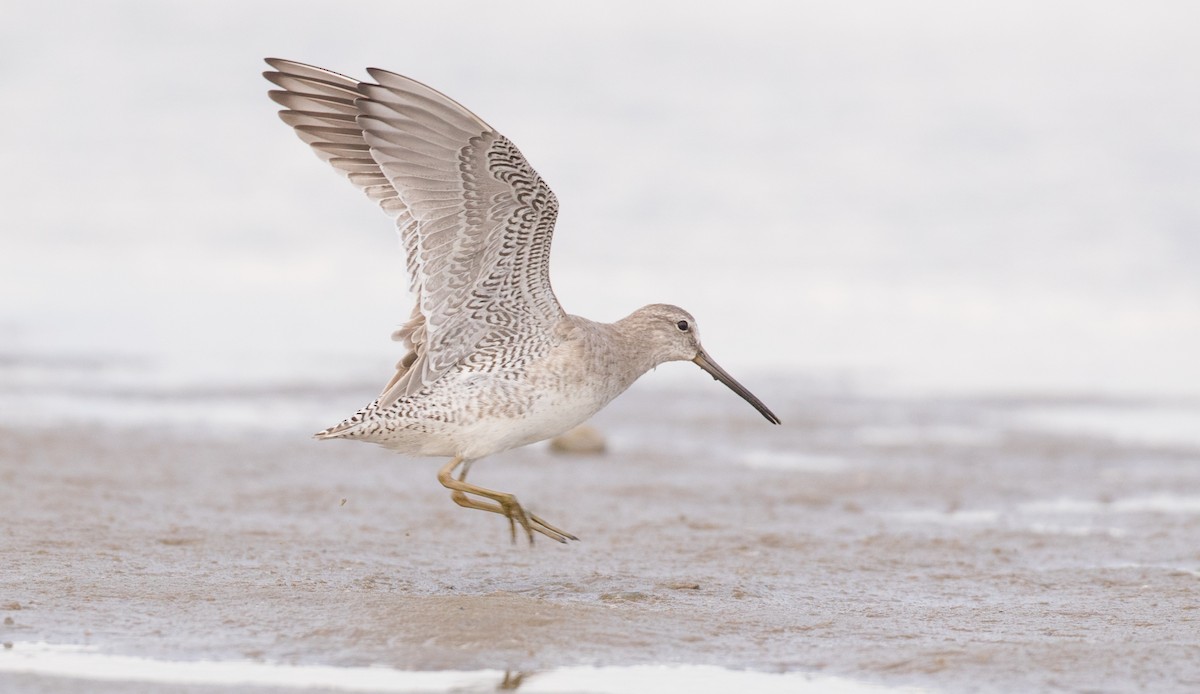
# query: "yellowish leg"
{"type": "Point", "coordinates": [506, 504]}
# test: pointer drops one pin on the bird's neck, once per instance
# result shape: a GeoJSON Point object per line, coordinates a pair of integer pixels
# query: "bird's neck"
{"type": "Point", "coordinates": [630, 346]}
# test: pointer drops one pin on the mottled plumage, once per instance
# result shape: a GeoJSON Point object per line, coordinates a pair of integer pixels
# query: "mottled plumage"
{"type": "Point", "coordinates": [492, 361]}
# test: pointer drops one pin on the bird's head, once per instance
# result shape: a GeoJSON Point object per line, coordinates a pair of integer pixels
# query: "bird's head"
{"type": "Point", "coordinates": [671, 334]}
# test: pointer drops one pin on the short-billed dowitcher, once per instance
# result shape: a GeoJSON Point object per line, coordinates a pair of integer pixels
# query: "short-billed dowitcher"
{"type": "Point", "coordinates": [492, 361]}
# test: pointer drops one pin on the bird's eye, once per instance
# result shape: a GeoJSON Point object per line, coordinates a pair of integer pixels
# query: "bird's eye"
{"type": "Point", "coordinates": [682, 325]}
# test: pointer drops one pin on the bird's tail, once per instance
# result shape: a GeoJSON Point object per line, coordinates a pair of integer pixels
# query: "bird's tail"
{"type": "Point", "coordinates": [337, 431]}
{"type": "Point", "coordinates": [348, 428]}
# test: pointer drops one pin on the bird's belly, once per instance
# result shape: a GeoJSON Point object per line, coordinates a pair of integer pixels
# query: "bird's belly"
{"type": "Point", "coordinates": [546, 414]}
{"type": "Point", "coordinates": [475, 415]}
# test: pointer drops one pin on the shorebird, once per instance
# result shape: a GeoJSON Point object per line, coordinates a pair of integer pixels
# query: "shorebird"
{"type": "Point", "coordinates": [492, 361]}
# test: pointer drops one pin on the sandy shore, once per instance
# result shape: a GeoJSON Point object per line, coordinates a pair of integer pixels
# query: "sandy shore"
{"type": "Point", "coordinates": [949, 544]}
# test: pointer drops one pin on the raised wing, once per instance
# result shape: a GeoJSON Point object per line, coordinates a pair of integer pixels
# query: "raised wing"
{"type": "Point", "coordinates": [476, 220]}
{"type": "Point", "coordinates": [319, 105]}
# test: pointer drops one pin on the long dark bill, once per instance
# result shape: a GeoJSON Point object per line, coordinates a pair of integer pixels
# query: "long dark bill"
{"type": "Point", "coordinates": [705, 362]}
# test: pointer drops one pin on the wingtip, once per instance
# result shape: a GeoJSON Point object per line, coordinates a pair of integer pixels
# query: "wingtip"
{"type": "Point", "coordinates": [282, 64]}
{"type": "Point", "coordinates": [377, 72]}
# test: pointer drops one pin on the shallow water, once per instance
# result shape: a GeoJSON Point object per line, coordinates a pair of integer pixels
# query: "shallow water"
{"type": "Point", "coordinates": [946, 544]}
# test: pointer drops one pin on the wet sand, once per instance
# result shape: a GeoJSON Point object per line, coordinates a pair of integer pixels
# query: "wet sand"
{"type": "Point", "coordinates": [950, 544]}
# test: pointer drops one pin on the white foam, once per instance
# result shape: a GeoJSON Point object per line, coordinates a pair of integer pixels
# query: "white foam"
{"type": "Point", "coordinates": [1154, 424]}
{"type": "Point", "coordinates": [976, 517]}
{"type": "Point", "coordinates": [1044, 516]}
{"type": "Point", "coordinates": [1008, 521]}
{"type": "Point", "coordinates": [1157, 503]}
{"type": "Point", "coordinates": [1076, 530]}
{"type": "Point", "coordinates": [256, 394]}
{"type": "Point", "coordinates": [1161, 567]}
{"type": "Point", "coordinates": [85, 663]}
{"type": "Point", "coordinates": [791, 460]}
{"type": "Point", "coordinates": [941, 434]}
{"type": "Point", "coordinates": [1061, 506]}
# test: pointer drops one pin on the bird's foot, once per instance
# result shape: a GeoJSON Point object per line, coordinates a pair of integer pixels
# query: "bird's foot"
{"type": "Point", "coordinates": [505, 504]}
{"type": "Point", "coordinates": [508, 506]}
{"type": "Point", "coordinates": [512, 509]}
{"type": "Point", "coordinates": [550, 531]}
{"type": "Point", "coordinates": [517, 514]}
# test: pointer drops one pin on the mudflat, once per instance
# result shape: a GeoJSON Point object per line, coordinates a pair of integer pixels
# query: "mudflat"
{"type": "Point", "coordinates": [955, 544]}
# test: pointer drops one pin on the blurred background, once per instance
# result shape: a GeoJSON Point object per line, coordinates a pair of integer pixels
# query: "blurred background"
{"type": "Point", "coordinates": [925, 197]}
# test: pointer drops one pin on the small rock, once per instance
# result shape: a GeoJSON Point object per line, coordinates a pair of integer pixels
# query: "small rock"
{"type": "Point", "coordinates": [8, 621]}
{"type": "Point", "coordinates": [583, 439]}
{"type": "Point", "coordinates": [11, 606]}
{"type": "Point", "coordinates": [8, 645]}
